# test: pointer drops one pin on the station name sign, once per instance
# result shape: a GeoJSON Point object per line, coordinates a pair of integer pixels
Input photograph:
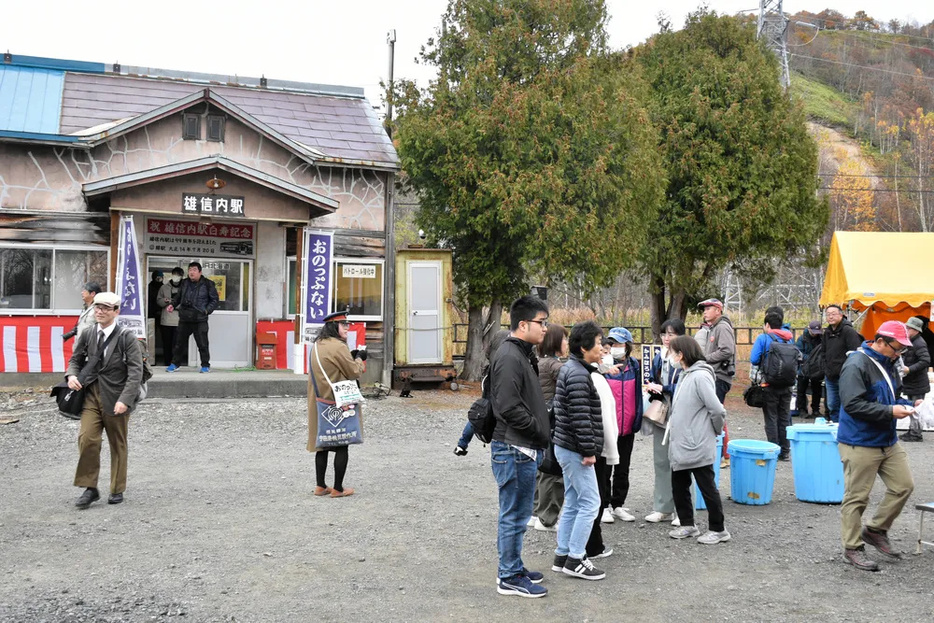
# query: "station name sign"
{"type": "Point", "coordinates": [213, 205]}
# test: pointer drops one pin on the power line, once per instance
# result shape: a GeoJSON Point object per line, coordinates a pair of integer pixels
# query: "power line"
{"type": "Point", "coordinates": [869, 36]}
{"type": "Point", "coordinates": [887, 71]}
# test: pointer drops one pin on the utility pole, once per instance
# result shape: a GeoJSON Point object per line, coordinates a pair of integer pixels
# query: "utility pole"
{"type": "Point", "coordinates": [773, 29]}
{"type": "Point", "coordinates": [391, 40]}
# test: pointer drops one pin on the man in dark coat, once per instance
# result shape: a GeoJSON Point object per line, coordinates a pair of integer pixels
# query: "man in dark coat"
{"type": "Point", "coordinates": [839, 339]}
{"type": "Point", "coordinates": [811, 372]}
{"type": "Point", "coordinates": [915, 383]}
{"type": "Point", "coordinates": [195, 301]}
{"type": "Point", "coordinates": [108, 363]}
{"type": "Point", "coordinates": [519, 439]}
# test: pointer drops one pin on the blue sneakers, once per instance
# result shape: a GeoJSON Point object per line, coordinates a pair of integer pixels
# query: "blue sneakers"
{"type": "Point", "coordinates": [172, 368]}
{"type": "Point", "coordinates": [205, 369]}
{"type": "Point", "coordinates": [534, 577]}
{"type": "Point", "coordinates": [521, 586]}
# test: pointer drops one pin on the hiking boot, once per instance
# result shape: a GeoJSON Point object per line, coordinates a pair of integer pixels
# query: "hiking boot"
{"type": "Point", "coordinates": [520, 586]}
{"type": "Point", "coordinates": [684, 532]}
{"type": "Point", "coordinates": [623, 513]}
{"type": "Point", "coordinates": [657, 517]}
{"type": "Point", "coordinates": [607, 516]}
{"type": "Point", "coordinates": [582, 568]}
{"type": "Point", "coordinates": [712, 538]}
{"type": "Point", "coordinates": [542, 527]}
{"type": "Point", "coordinates": [857, 557]}
{"type": "Point", "coordinates": [880, 540]}
{"type": "Point", "coordinates": [458, 451]}
{"type": "Point", "coordinates": [559, 562]}
{"type": "Point", "coordinates": [911, 436]}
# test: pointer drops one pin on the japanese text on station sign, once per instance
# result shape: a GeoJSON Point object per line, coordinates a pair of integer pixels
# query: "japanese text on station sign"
{"type": "Point", "coordinates": [318, 253]}
{"type": "Point", "coordinates": [214, 205]}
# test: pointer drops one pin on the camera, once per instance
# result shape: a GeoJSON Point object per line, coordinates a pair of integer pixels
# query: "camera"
{"type": "Point", "coordinates": [69, 335]}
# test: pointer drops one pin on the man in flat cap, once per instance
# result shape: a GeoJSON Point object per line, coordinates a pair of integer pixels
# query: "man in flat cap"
{"type": "Point", "coordinates": [718, 343]}
{"type": "Point", "coordinates": [108, 363]}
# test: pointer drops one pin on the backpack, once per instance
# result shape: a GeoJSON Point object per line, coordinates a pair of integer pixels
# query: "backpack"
{"type": "Point", "coordinates": [147, 370]}
{"type": "Point", "coordinates": [480, 415]}
{"type": "Point", "coordinates": [813, 367]}
{"type": "Point", "coordinates": [780, 368]}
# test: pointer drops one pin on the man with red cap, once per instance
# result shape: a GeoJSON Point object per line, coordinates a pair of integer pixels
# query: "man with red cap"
{"type": "Point", "coordinates": [868, 445]}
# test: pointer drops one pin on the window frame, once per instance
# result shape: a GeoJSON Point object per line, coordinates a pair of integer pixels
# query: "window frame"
{"type": "Point", "coordinates": [52, 310]}
{"type": "Point", "coordinates": [382, 286]}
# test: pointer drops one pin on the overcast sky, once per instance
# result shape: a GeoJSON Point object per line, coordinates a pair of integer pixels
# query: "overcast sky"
{"type": "Point", "coordinates": [324, 41]}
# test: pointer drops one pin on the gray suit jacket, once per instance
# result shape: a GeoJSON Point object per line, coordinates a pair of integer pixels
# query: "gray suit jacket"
{"type": "Point", "coordinates": [122, 370]}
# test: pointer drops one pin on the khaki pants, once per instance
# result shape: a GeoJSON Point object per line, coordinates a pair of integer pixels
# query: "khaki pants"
{"type": "Point", "coordinates": [860, 466]}
{"type": "Point", "coordinates": [93, 422]}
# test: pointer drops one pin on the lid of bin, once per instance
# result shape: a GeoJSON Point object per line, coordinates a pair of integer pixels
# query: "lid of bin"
{"type": "Point", "coordinates": [753, 446]}
{"type": "Point", "coordinates": [812, 430]}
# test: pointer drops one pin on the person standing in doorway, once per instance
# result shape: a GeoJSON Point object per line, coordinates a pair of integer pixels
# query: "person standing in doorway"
{"type": "Point", "coordinates": [839, 339]}
{"type": "Point", "coordinates": [152, 304]}
{"type": "Point", "coordinates": [915, 384]}
{"type": "Point", "coordinates": [195, 301]}
{"type": "Point", "coordinates": [169, 320]}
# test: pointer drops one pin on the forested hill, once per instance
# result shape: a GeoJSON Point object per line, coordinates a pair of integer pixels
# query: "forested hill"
{"type": "Point", "coordinates": [873, 83]}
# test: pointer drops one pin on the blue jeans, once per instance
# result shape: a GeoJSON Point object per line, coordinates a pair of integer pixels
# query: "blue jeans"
{"type": "Point", "coordinates": [466, 436]}
{"type": "Point", "coordinates": [515, 477]}
{"type": "Point", "coordinates": [581, 504]}
{"type": "Point", "coordinates": [833, 398]}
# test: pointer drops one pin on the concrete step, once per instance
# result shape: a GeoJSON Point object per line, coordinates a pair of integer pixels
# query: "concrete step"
{"type": "Point", "coordinates": [190, 383]}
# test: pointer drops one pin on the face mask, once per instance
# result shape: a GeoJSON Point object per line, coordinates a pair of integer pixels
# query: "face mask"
{"type": "Point", "coordinates": [175, 280]}
{"type": "Point", "coordinates": [607, 359]}
{"type": "Point", "coordinates": [618, 352]}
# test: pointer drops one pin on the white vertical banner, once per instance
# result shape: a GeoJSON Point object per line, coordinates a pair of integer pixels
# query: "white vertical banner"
{"type": "Point", "coordinates": [129, 288]}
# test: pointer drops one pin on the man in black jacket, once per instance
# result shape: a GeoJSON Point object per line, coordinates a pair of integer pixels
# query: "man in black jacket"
{"type": "Point", "coordinates": [521, 434]}
{"type": "Point", "coordinates": [915, 383]}
{"type": "Point", "coordinates": [195, 301]}
{"type": "Point", "coordinates": [839, 339]}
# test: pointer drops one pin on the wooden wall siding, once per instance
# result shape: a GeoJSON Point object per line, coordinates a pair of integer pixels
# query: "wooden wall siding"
{"type": "Point", "coordinates": [37, 177]}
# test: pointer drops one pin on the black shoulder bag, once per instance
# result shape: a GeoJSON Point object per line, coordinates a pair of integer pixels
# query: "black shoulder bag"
{"type": "Point", "coordinates": [71, 401]}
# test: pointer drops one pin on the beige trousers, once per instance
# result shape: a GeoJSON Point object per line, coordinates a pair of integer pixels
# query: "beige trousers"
{"type": "Point", "coordinates": [90, 431]}
{"type": "Point", "coordinates": [860, 466]}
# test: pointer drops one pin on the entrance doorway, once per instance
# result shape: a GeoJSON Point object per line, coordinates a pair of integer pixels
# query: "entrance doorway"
{"type": "Point", "coordinates": [230, 327]}
{"type": "Point", "coordinates": [424, 312]}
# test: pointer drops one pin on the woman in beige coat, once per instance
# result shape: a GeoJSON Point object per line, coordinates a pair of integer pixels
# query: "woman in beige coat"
{"type": "Point", "coordinates": [338, 364]}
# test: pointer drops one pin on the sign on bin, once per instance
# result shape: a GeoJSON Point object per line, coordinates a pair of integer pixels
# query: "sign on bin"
{"type": "Point", "coordinates": [752, 470]}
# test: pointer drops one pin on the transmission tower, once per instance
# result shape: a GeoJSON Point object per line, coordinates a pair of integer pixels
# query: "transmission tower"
{"type": "Point", "coordinates": [773, 29]}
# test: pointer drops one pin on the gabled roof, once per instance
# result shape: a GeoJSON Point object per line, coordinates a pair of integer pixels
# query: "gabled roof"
{"type": "Point", "coordinates": [178, 169]}
{"type": "Point", "coordinates": [336, 122]}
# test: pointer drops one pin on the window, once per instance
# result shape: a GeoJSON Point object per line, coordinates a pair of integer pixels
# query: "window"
{"type": "Point", "coordinates": [216, 128]}
{"type": "Point", "coordinates": [358, 287]}
{"type": "Point", "coordinates": [191, 127]}
{"type": "Point", "coordinates": [48, 279]}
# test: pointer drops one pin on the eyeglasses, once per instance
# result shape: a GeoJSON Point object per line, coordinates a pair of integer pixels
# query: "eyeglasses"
{"type": "Point", "coordinates": [103, 307]}
{"type": "Point", "coordinates": [900, 348]}
{"type": "Point", "coordinates": [543, 323]}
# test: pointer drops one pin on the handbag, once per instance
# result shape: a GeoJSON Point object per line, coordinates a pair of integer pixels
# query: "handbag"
{"type": "Point", "coordinates": [71, 401]}
{"type": "Point", "coordinates": [657, 412]}
{"type": "Point", "coordinates": [345, 392]}
{"type": "Point", "coordinates": [337, 425]}
{"type": "Point", "coordinates": [754, 396]}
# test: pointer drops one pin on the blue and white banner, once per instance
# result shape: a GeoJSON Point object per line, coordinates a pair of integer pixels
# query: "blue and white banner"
{"type": "Point", "coordinates": [317, 263]}
{"type": "Point", "coordinates": [129, 288]}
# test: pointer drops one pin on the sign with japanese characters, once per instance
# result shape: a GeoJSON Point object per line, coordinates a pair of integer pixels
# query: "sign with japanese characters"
{"type": "Point", "coordinates": [358, 271]}
{"type": "Point", "coordinates": [129, 288]}
{"type": "Point", "coordinates": [648, 354]}
{"type": "Point", "coordinates": [317, 267]}
{"type": "Point", "coordinates": [177, 237]}
{"type": "Point", "coordinates": [212, 205]}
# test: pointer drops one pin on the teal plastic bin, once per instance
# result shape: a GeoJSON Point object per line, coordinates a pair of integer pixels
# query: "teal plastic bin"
{"type": "Point", "coordinates": [815, 463]}
{"type": "Point", "coordinates": [698, 498]}
{"type": "Point", "coordinates": [752, 470]}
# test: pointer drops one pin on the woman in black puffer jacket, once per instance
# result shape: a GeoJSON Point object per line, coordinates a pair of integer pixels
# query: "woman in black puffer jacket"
{"type": "Point", "coordinates": [578, 438]}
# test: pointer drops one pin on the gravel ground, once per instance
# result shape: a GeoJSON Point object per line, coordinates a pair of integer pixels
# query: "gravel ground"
{"type": "Point", "coordinates": [219, 524]}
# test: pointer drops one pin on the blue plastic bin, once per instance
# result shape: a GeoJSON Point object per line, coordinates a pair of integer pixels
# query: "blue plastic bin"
{"type": "Point", "coordinates": [698, 498]}
{"type": "Point", "coordinates": [752, 470]}
{"type": "Point", "coordinates": [815, 463]}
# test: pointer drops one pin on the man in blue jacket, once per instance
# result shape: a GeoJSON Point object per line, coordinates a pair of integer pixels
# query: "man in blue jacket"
{"type": "Point", "coordinates": [869, 386]}
{"type": "Point", "coordinates": [776, 410]}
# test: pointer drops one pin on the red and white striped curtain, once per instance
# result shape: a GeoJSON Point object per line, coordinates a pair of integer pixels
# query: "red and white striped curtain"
{"type": "Point", "coordinates": [34, 343]}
